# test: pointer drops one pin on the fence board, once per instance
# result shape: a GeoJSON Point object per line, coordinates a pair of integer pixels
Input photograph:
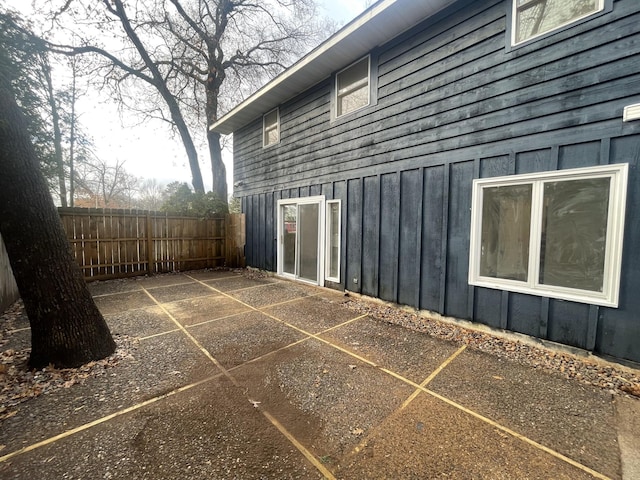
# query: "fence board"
{"type": "Point", "coordinates": [118, 243]}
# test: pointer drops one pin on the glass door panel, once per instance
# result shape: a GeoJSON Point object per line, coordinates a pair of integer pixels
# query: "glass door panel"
{"type": "Point", "coordinates": [289, 241]}
{"type": "Point", "coordinates": [308, 241]}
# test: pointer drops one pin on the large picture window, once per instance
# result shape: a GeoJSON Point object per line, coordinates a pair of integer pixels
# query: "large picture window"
{"type": "Point", "coordinates": [352, 87]}
{"type": "Point", "coordinates": [532, 18]}
{"type": "Point", "coordinates": [556, 234]}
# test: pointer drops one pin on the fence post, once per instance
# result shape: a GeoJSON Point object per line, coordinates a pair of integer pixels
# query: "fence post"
{"type": "Point", "coordinates": [234, 240]}
{"type": "Point", "coordinates": [150, 253]}
{"type": "Point", "coordinates": [228, 261]}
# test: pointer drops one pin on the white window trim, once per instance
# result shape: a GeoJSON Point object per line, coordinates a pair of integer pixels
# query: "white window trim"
{"type": "Point", "coordinates": [337, 94]}
{"type": "Point", "coordinates": [615, 233]}
{"type": "Point", "coordinates": [328, 241]}
{"type": "Point", "coordinates": [320, 200]}
{"type": "Point", "coordinates": [514, 23]}
{"type": "Point", "coordinates": [267, 128]}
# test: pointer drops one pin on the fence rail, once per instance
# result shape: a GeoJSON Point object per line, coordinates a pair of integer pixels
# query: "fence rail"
{"type": "Point", "coordinates": [109, 243]}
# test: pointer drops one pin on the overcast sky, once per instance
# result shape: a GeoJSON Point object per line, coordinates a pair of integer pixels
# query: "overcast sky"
{"type": "Point", "coordinates": [148, 150]}
{"type": "Point", "coordinates": [159, 156]}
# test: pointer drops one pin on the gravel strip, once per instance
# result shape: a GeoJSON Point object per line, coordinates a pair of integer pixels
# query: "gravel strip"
{"type": "Point", "coordinates": [617, 379]}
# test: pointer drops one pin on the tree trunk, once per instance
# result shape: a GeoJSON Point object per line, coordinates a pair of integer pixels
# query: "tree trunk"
{"type": "Point", "coordinates": [67, 328]}
{"type": "Point", "coordinates": [218, 170]}
{"type": "Point", "coordinates": [160, 83]}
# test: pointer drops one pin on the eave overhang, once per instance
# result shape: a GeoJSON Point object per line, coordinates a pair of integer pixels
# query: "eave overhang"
{"type": "Point", "coordinates": [377, 25]}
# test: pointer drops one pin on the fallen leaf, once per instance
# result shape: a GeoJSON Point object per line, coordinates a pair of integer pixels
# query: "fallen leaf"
{"type": "Point", "coordinates": [357, 432]}
{"type": "Point", "coordinates": [12, 413]}
{"type": "Point", "coordinates": [633, 389]}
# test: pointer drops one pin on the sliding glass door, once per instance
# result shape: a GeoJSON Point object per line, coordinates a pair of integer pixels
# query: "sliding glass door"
{"type": "Point", "coordinates": [300, 238]}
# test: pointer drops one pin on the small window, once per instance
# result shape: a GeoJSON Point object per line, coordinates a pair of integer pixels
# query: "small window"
{"type": "Point", "coordinates": [271, 128]}
{"type": "Point", "coordinates": [556, 234]}
{"type": "Point", "coordinates": [352, 87]}
{"type": "Point", "coordinates": [333, 241]}
{"type": "Point", "coordinates": [532, 18]}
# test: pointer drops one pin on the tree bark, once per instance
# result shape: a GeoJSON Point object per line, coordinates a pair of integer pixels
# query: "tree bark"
{"type": "Point", "coordinates": [67, 328]}
{"type": "Point", "coordinates": [218, 170]}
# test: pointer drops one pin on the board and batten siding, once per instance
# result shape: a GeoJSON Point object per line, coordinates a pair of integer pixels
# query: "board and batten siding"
{"type": "Point", "coordinates": [454, 104]}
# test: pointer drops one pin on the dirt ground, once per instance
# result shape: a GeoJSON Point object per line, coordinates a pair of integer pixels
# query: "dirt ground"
{"type": "Point", "coordinates": [224, 374]}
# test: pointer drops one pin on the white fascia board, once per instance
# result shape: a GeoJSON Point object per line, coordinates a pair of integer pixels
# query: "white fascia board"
{"type": "Point", "coordinates": [377, 25]}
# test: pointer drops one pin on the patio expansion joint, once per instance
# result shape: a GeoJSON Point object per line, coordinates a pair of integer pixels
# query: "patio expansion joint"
{"type": "Point", "coordinates": [150, 401]}
{"type": "Point", "coordinates": [195, 297]}
{"type": "Point", "coordinates": [158, 334]}
{"type": "Point", "coordinates": [422, 388]}
{"type": "Point", "coordinates": [106, 418]}
{"type": "Point", "coordinates": [293, 300]}
{"type": "Point", "coordinates": [223, 372]}
{"type": "Point", "coordinates": [301, 448]}
{"type": "Point", "coordinates": [247, 288]}
{"type": "Point", "coordinates": [102, 295]}
{"type": "Point", "coordinates": [416, 392]}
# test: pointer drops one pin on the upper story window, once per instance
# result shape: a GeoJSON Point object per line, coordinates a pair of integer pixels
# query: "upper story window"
{"type": "Point", "coordinates": [532, 18]}
{"type": "Point", "coordinates": [271, 128]}
{"type": "Point", "coordinates": [554, 234]}
{"type": "Point", "coordinates": [352, 87]}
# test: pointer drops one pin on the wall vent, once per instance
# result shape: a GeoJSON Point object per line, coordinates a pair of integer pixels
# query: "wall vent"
{"type": "Point", "coordinates": [631, 112]}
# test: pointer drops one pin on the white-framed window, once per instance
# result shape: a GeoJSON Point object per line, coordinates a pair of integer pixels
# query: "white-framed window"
{"type": "Point", "coordinates": [271, 128]}
{"type": "Point", "coordinates": [352, 87]}
{"type": "Point", "coordinates": [532, 18]}
{"type": "Point", "coordinates": [333, 241]}
{"type": "Point", "coordinates": [554, 234]}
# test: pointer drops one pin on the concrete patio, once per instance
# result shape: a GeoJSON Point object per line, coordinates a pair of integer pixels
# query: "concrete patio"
{"type": "Point", "coordinates": [240, 377]}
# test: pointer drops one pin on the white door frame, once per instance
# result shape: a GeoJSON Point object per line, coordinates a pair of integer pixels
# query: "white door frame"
{"type": "Point", "coordinates": [320, 201]}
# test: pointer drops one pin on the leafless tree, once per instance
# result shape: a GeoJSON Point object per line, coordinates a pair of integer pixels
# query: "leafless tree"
{"type": "Point", "coordinates": [194, 54]}
{"type": "Point", "coordinates": [151, 194]}
{"type": "Point", "coordinates": [103, 184]}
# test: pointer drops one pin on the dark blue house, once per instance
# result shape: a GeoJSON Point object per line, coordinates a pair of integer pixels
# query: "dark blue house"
{"type": "Point", "coordinates": [478, 159]}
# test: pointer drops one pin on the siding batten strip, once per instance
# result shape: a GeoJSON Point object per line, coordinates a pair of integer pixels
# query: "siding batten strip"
{"type": "Point", "coordinates": [544, 317]}
{"type": "Point", "coordinates": [554, 157]}
{"type": "Point", "coordinates": [504, 310]}
{"type": "Point", "coordinates": [605, 151]}
{"type": "Point", "coordinates": [396, 286]}
{"type": "Point", "coordinates": [446, 185]}
{"type": "Point", "coordinates": [471, 296]}
{"type": "Point", "coordinates": [378, 238]}
{"type": "Point", "coordinates": [361, 233]}
{"type": "Point", "coordinates": [420, 221]}
{"type": "Point", "coordinates": [592, 327]}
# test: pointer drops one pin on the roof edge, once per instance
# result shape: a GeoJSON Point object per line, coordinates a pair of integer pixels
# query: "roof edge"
{"type": "Point", "coordinates": [279, 89]}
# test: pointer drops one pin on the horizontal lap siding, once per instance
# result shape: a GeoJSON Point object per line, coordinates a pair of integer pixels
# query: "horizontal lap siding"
{"type": "Point", "coordinates": [454, 104]}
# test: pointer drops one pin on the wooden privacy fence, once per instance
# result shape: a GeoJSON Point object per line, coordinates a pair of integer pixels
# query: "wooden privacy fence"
{"type": "Point", "coordinates": [109, 243]}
